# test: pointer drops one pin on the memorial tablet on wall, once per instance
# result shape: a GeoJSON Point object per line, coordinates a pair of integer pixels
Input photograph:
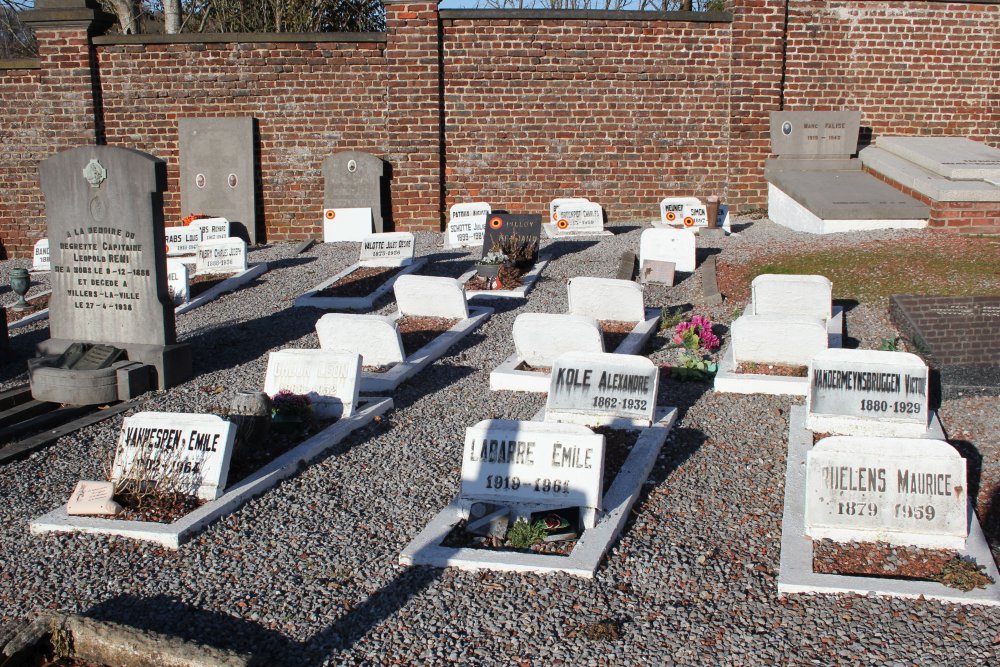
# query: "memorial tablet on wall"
{"type": "Point", "coordinates": [594, 388]}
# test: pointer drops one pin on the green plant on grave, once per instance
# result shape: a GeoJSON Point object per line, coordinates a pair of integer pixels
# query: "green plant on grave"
{"type": "Point", "coordinates": [524, 534]}
{"type": "Point", "coordinates": [889, 345]}
{"type": "Point", "coordinates": [670, 317]}
{"type": "Point", "coordinates": [694, 368]}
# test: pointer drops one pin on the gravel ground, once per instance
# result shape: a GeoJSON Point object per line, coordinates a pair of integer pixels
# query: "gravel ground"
{"type": "Point", "coordinates": [307, 573]}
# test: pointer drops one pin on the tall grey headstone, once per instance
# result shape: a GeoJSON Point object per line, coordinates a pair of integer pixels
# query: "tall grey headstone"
{"type": "Point", "coordinates": [217, 171]}
{"type": "Point", "coordinates": [104, 207]}
{"type": "Point", "coordinates": [354, 179]}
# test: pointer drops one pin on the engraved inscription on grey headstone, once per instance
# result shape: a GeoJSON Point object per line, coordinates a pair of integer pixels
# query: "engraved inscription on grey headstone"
{"type": "Point", "coordinates": [217, 171]}
{"type": "Point", "coordinates": [98, 356]}
{"type": "Point", "coordinates": [504, 225]}
{"type": "Point", "coordinates": [354, 179]}
{"type": "Point", "coordinates": [832, 134]}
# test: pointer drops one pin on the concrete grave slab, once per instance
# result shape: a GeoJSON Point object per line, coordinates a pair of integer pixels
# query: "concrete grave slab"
{"type": "Point", "coordinates": [869, 393]}
{"type": "Point", "coordinates": [221, 256]}
{"type": "Point", "coordinates": [230, 284]}
{"type": "Point", "coordinates": [465, 224]}
{"type": "Point", "coordinates": [173, 535]}
{"type": "Point", "coordinates": [510, 377]}
{"type": "Point", "coordinates": [597, 389]}
{"type": "Point", "coordinates": [847, 195]}
{"type": "Point", "coordinates": [956, 158]}
{"type": "Point", "coordinates": [528, 281]}
{"type": "Point", "coordinates": [810, 134]}
{"type": "Point", "coordinates": [796, 574]}
{"type": "Point", "coordinates": [217, 170]}
{"type": "Point", "coordinates": [356, 180]}
{"type": "Point", "coordinates": [798, 295]}
{"type": "Point", "coordinates": [389, 249]}
{"type": "Point", "coordinates": [40, 258]}
{"type": "Point", "coordinates": [924, 181]}
{"type": "Point", "coordinates": [311, 298]}
{"type": "Point", "coordinates": [426, 548]}
{"type": "Point", "coordinates": [375, 337]}
{"type": "Point", "coordinates": [346, 224]}
{"type": "Point", "coordinates": [330, 379]}
{"type": "Point", "coordinates": [669, 245]}
{"type": "Point", "coordinates": [606, 299]}
{"type": "Point", "coordinates": [431, 296]}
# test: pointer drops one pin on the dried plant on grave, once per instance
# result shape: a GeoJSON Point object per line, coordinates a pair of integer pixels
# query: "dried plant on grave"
{"type": "Point", "coordinates": [154, 469]}
{"type": "Point", "coordinates": [965, 575]}
{"type": "Point", "coordinates": [520, 251]}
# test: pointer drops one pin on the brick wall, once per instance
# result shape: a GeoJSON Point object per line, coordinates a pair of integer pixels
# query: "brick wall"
{"type": "Point", "coordinates": [22, 145]}
{"type": "Point", "coordinates": [310, 99]}
{"type": "Point", "coordinates": [967, 217]}
{"type": "Point", "coordinates": [622, 112]}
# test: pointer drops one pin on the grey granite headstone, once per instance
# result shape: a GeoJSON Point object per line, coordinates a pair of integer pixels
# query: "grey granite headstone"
{"type": "Point", "coordinates": [815, 134]}
{"type": "Point", "coordinates": [626, 266]}
{"type": "Point", "coordinates": [217, 171]}
{"type": "Point", "coordinates": [503, 225]}
{"type": "Point", "coordinates": [354, 179]}
{"type": "Point", "coordinates": [109, 281]}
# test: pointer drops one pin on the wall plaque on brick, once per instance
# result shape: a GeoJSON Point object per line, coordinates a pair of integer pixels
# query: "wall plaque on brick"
{"type": "Point", "coordinates": [896, 490]}
{"type": "Point", "coordinates": [867, 392]}
{"type": "Point", "coordinates": [186, 453]}
{"type": "Point", "coordinates": [593, 388]}
{"type": "Point", "coordinates": [533, 463]}
{"type": "Point", "coordinates": [466, 223]}
{"type": "Point", "coordinates": [500, 226]}
{"type": "Point", "coordinates": [40, 256]}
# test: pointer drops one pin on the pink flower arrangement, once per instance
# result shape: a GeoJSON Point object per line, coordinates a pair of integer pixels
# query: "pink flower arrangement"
{"type": "Point", "coordinates": [695, 333]}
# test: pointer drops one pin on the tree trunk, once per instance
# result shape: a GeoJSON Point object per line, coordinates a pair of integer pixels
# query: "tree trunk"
{"type": "Point", "coordinates": [127, 12]}
{"type": "Point", "coordinates": [171, 16]}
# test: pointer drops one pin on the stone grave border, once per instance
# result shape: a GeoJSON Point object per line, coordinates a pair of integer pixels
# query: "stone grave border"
{"type": "Point", "coordinates": [794, 215]}
{"type": "Point", "coordinates": [309, 297]}
{"type": "Point", "coordinates": [42, 314]}
{"type": "Point", "coordinates": [378, 382]}
{"type": "Point", "coordinates": [551, 233]}
{"type": "Point", "coordinates": [528, 281]}
{"type": "Point", "coordinates": [173, 535]}
{"type": "Point", "coordinates": [795, 574]}
{"type": "Point", "coordinates": [230, 284]}
{"type": "Point", "coordinates": [583, 561]}
{"type": "Point", "coordinates": [727, 380]}
{"type": "Point", "coordinates": [506, 377]}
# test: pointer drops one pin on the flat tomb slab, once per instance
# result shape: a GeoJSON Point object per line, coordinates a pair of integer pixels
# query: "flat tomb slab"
{"type": "Point", "coordinates": [426, 548]}
{"type": "Point", "coordinates": [848, 195]}
{"type": "Point", "coordinates": [787, 212]}
{"type": "Point", "coordinates": [927, 183]}
{"type": "Point", "coordinates": [172, 535]}
{"type": "Point", "coordinates": [952, 157]}
{"type": "Point", "coordinates": [528, 281]}
{"type": "Point", "coordinates": [795, 574]}
{"type": "Point", "coordinates": [311, 298]}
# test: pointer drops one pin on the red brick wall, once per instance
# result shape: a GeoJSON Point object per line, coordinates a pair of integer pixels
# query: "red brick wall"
{"type": "Point", "coordinates": [967, 217]}
{"type": "Point", "coordinates": [310, 100]}
{"type": "Point", "coordinates": [622, 112]}
{"type": "Point", "coordinates": [912, 68]}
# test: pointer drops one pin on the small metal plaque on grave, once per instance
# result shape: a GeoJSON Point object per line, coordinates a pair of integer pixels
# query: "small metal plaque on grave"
{"type": "Point", "coordinates": [657, 271]}
{"type": "Point", "coordinates": [97, 357]}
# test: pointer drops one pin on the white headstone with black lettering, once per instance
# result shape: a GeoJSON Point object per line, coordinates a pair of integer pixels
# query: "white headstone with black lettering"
{"type": "Point", "coordinates": [431, 296]}
{"type": "Point", "coordinates": [802, 295]}
{"type": "Point", "coordinates": [563, 201]}
{"type": "Point", "coordinates": [466, 223]}
{"type": "Point", "coordinates": [375, 337]}
{"type": "Point", "coordinates": [184, 453]}
{"type": "Point", "coordinates": [211, 229]}
{"type": "Point", "coordinates": [221, 256]}
{"type": "Point", "coordinates": [606, 299]}
{"type": "Point", "coordinates": [579, 218]}
{"type": "Point", "coordinates": [867, 392]}
{"type": "Point", "coordinates": [686, 212]}
{"type": "Point", "coordinates": [904, 491]}
{"type": "Point", "coordinates": [533, 464]}
{"type": "Point", "coordinates": [346, 224]}
{"type": "Point", "coordinates": [177, 281]}
{"type": "Point", "coordinates": [182, 240]}
{"type": "Point", "coordinates": [40, 256]}
{"type": "Point", "coordinates": [774, 339]}
{"type": "Point", "coordinates": [593, 388]}
{"type": "Point", "coordinates": [541, 338]}
{"type": "Point", "coordinates": [669, 245]}
{"type": "Point", "coordinates": [389, 249]}
{"type": "Point", "coordinates": [329, 379]}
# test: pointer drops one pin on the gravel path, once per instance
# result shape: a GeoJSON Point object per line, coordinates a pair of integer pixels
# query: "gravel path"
{"type": "Point", "coordinates": [307, 573]}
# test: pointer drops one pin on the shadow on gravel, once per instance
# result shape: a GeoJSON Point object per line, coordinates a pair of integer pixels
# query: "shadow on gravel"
{"type": "Point", "coordinates": [849, 342]}
{"type": "Point", "coordinates": [973, 467]}
{"type": "Point", "coordinates": [289, 262]}
{"type": "Point", "coordinates": [22, 348]}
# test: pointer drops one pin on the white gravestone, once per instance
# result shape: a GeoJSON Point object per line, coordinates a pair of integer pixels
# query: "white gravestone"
{"type": "Point", "coordinates": [92, 498]}
{"type": "Point", "coordinates": [533, 464]}
{"type": "Point", "coordinates": [389, 249]}
{"type": "Point", "coordinates": [40, 257]}
{"type": "Point", "coordinates": [601, 388]}
{"type": "Point", "coordinates": [688, 212]}
{"type": "Point", "coordinates": [773, 339]}
{"type": "Point", "coordinates": [221, 256]}
{"type": "Point", "coordinates": [346, 224]}
{"type": "Point", "coordinates": [776, 294]}
{"type": "Point", "coordinates": [867, 392]}
{"type": "Point", "coordinates": [182, 240]}
{"type": "Point", "coordinates": [541, 338]}
{"type": "Point", "coordinates": [211, 229]}
{"type": "Point", "coordinates": [431, 296]}
{"type": "Point", "coordinates": [330, 379]}
{"type": "Point", "coordinates": [904, 491]}
{"type": "Point", "coordinates": [606, 299]}
{"type": "Point", "coordinates": [579, 218]}
{"type": "Point", "coordinates": [188, 453]}
{"type": "Point", "coordinates": [375, 337]}
{"type": "Point", "coordinates": [466, 223]}
{"type": "Point", "coordinates": [177, 281]}
{"type": "Point", "coordinates": [563, 201]}
{"type": "Point", "coordinates": [669, 245]}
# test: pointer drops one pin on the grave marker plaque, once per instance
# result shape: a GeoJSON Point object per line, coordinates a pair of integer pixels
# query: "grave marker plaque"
{"type": "Point", "coordinates": [466, 224]}
{"type": "Point", "coordinates": [563, 201]}
{"type": "Point", "coordinates": [177, 281]}
{"type": "Point", "coordinates": [40, 259]}
{"type": "Point", "coordinates": [579, 218]}
{"type": "Point", "coordinates": [391, 249]}
{"type": "Point", "coordinates": [187, 453]}
{"type": "Point", "coordinates": [686, 212]}
{"type": "Point", "coordinates": [678, 246]}
{"type": "Point", "coordinates": [826, 134]}
{"type": "Point", "coordinates": [601, 388]}
{"type": "Point", "coordinates": [534, 464]}
{"type": "Point", "coordinates": [898, 490]}
{"type": "Point", "coordinates": [221, 256]}
{"type": "Point", "coordinates": [867, 392]}
{"type": "Point", "coordinates": [330, 379]}
{"type": "Point", "coordinates": [182, 240]}
{"type": "Point", "coordinates": [504, 225]}
{"type": "Point", "coordinates": [353, 180]}
{"type": "Point", "coordinates": [346, 224]}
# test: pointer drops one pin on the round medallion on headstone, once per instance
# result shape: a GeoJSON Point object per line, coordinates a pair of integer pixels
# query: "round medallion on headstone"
{"type": "Point", "coordinates": [671, 216]}
{"type": "Point", "coordinates": [330, 214]}
{"type": "Point", "coordinates": [232, 180]}
{"type": "Point", "coordinates": [98, 209]}
{"type": "Point", "coordinates": [352, 166]}
{"type": "Point", "coordinates": [786, 128]}
{"type": "Point", "coordinates": [199, 180]}
{"type": "Point", "coordinates": [689, 221]}
{"type": "Point", "coordinates": [562, 224]}
{"type": "Point", "coordinates": [496, 223]}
